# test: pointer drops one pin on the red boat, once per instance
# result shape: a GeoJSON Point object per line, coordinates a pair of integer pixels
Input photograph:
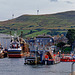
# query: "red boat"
{"type": "Point", "coordinates": [67, 59]}
{"type": "Point", "coordinates": [15, 55]}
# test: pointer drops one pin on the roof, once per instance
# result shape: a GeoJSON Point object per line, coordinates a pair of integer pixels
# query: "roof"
{"type": "Point", "coordinates": [44, 36]}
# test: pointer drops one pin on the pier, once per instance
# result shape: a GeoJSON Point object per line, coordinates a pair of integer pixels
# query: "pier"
{"type": "Point", "coordinates": [72, 74]}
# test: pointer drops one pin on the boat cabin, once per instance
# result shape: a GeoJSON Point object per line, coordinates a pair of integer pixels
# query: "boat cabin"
{"type": "Point", "coordinates": [14, 45]}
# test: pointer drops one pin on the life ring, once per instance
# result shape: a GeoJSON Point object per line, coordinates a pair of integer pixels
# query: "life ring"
{"type": "Point", "coordinates": [46, 56]}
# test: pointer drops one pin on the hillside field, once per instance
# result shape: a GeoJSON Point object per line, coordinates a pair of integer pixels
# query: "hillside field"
{"type": "Point", "coordinates": [33, 25]}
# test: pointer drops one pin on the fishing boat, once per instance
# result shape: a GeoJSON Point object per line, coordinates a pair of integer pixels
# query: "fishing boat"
{"type": "Point", "coordinates": [18, 46]}
{"type": "Point", "coordinates": [68, 58]}
{"type": "Point", "coordinates": [40, 51]}
{"type": "Point", "coordinates": [41, 57]}
{"type": "Point", "coordinates": [15, 49]}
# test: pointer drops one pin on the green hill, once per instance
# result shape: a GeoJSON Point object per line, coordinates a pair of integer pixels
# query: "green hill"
{"type": "Point", "coordinates": [32, 25]}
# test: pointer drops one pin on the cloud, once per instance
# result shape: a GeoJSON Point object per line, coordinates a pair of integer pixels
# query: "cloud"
{"type": "Point", "coordinates": [53, 0]}
{"type": "Point", "coordinates": [69, 2]}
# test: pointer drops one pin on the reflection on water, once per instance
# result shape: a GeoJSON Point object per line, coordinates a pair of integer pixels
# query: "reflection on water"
{"type": "Point", "coordinates": [57, 69]}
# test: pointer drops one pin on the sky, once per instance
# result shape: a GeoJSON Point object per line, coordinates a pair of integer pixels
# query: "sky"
{"type": "Point", "coordinates": [21, 7]}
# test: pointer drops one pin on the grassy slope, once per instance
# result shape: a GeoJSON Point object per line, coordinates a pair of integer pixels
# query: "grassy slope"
{"type": "Point", "coordinates": [27, 23]}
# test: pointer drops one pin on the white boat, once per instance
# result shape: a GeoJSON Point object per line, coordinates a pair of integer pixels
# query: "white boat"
{"type": "Point", "coordinates": [15, 49]}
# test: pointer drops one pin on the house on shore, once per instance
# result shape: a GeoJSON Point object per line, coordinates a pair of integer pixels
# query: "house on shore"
{"type": "Point", "coordinates": [58, 39]}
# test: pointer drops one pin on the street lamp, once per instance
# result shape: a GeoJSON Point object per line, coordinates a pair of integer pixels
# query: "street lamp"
{"type": "Point", "coordinates": [59, 53]}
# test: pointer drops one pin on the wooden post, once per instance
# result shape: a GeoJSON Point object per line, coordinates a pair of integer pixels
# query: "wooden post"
{"type": "Point", "coordinates": [6, 43]}
{"type": "Point", "coordinates": [72, 68]}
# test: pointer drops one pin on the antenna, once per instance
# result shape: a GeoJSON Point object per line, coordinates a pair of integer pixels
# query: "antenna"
{"type": "Point", "coordinates": [15, 34]}
{"type": "Point", "coordinates": [10, 33]}
{"type": "Point", "coordinates": [37, 12]}
{"type": "Point", "coordinates": [12, 16]}
{"type": "Point", "coordinates": [21, 34]}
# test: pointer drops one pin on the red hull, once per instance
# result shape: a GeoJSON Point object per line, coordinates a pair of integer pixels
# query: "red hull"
{"type": "Point", "coordinates": [67, 60]}
{"type": "Point", "coordinates": [15, 55]}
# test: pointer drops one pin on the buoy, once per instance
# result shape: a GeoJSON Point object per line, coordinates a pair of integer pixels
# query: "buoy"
{"type": "Point", "coordinates": [58, 52]}
{"type": "Point", "coordinates": [46, 56]}
{"type": "Point", "coordinates": [54, 54]}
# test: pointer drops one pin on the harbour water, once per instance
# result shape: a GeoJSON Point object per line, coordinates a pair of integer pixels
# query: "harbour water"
{"type": "Point", "coordinates": [15, 66]}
